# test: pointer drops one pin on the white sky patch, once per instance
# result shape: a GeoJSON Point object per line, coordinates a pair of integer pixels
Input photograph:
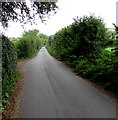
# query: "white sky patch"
{"type": "Point", "coordinates": [69, 9]}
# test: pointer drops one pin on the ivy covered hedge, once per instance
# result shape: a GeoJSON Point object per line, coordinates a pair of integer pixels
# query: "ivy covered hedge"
{"type": "Point", "coordinates": [9, 73]}
{"type": "Point", "coordinates": [82, 45]}
{"type": "Point", "coordinates": [9, 63]}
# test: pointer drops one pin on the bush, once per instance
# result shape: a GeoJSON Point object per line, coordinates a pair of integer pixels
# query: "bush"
{"type": "Point", "coordinates": [28, 45]}
{"type": "Point", "coordinates": [9, 63]}
{"type": "Point", "coordinates": [9, 73]}
{"type": "Point", "coordinates": [103, 71]}
{"type": "Point", "coordinates": [90, 34]}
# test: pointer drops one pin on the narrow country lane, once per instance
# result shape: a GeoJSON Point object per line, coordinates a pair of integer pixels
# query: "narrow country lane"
{"type": "Point", "coordinates": [53, 91]}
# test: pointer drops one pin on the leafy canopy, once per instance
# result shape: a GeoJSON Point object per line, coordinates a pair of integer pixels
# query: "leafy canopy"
{"type": "Point", "coordinates": [20, 11]}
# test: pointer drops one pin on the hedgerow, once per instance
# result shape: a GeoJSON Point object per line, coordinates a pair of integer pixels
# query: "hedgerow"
{"type": "Point", "coordinates": [82, 45]}
{"type": "Point", "coordinates": [9, 73]}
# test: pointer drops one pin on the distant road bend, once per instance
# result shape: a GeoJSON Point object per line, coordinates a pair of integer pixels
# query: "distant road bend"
{"type": "Point", "coordinates": [52, 90]}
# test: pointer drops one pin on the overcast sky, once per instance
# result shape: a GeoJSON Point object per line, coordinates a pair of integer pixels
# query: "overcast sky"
{"type": "Point", "coordinates": [69, 9]}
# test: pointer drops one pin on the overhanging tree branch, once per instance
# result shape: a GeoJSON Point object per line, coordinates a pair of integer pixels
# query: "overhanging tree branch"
{"type": "Point", "coordinates": [19, 11]}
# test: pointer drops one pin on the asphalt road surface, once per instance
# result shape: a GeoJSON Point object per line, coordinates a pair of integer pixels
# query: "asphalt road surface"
{"type": "Point", "coordinates": [52, 90]}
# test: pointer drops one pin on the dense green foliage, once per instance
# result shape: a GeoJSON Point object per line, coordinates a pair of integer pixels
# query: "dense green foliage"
{"type": "Point", "coordinates": [9, 62]}
{"type": "Point", "coordinates": [83, 37]}
{"type": "Point", "coordinates": [83, 45]}
{"type": "Point", "coordinates": [43, 38]}
{"type": "Point", "coordinates": [9, 73]}
{"type": "Point", "coordinates": [29, 44]}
